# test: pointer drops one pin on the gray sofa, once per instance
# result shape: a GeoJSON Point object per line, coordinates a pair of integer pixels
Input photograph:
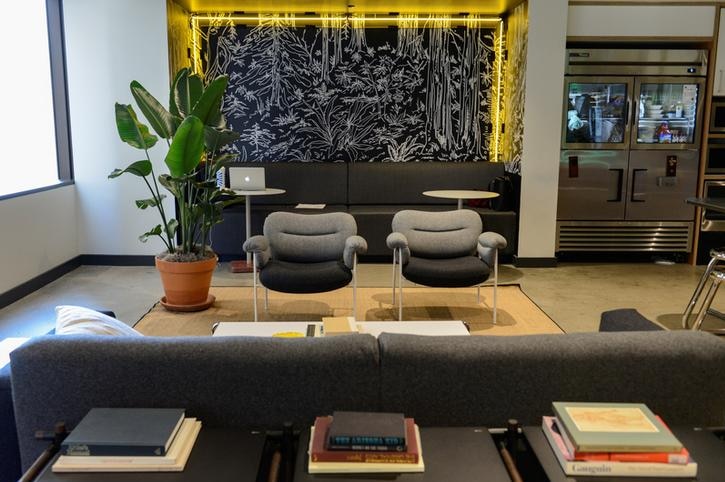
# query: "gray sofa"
{"type": "Point", "coordinates": [371, 192]}
{"type": "Point", "coordinates": [262, 382]}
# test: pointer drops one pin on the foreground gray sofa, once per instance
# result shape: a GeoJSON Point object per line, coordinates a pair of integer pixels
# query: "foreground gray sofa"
{"type": "Point", "coordinates": [262, 382]}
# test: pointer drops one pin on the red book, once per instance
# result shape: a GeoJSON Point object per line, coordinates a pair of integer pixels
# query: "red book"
{"type": "Point", "coordinates": [318, 452]}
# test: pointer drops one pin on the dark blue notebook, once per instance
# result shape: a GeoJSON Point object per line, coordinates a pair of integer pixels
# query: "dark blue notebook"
{"type": "Point", "coordinates": [124, 431]}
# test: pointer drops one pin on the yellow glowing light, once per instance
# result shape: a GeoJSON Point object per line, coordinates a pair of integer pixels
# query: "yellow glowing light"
{"type": "Point", "coordinates": [393, 19]}
{"type": "Point", "coordinates": [499, 90]}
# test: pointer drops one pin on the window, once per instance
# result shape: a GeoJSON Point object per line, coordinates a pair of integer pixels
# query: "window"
{"type": "Point", "coordinates": [34, 124]}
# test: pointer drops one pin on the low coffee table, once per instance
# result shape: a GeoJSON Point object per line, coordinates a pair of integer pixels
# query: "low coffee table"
{"type": "Point", "coordinates": [375, 328]}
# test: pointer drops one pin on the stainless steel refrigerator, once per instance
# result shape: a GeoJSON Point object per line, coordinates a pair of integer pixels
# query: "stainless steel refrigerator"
{"type": "Point", "coordinates": [630, 149]}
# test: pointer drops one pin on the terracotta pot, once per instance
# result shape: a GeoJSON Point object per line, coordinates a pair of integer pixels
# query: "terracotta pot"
{"type": "Point", "coordinates": [186, 285]}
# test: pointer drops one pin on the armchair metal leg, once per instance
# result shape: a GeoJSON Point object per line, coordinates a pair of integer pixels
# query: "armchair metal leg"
{"type": "Point", "coordinates": [266, 299]}
{"type": "Point", "coordinates": [712, 290]}
{"type": "Point", "coordinates": [395, 251]}
{"type": "Point", "coordinates": [400, 284]}
{"type": "Point", "coordinates": [495, 282]}
{"type": "Point", "coordinates": [478, 294]}
{"type": "Point", "coordinates": [254, 286]}
{"type": "Point", "coordinates": [354, 286]}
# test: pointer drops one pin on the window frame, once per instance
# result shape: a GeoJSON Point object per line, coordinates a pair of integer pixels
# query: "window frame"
{"type": "Point", "coordinates": [61, 113]}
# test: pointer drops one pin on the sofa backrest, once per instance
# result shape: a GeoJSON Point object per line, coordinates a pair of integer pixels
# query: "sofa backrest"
{"type": "Point", "coordinates": [404, 183]}
{"type": "Point", "coordinates": [236, 382]}
{"type": "Point", "coordinates": [308, 238]}
{"type": "Point", "coordinates": [304, 182]}
{"type": "Point", "coordinates": [485, 380]}
{"type": "Point", "coordinates": [444, 234]}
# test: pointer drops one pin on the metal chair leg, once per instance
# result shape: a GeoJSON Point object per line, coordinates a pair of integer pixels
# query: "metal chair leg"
{"type": "Point", "coordinates": [354, 287]}
{"type": "Point", "coordinates": [478, 294]}
{"type": "Point", "coordinates": [394, 273]}
{"type": "Point", "coordinates": [400, 284]}
{"type": "Point", "coordinates": [495, 283]}
{"type": "Point", "coordinates": [266, 299]}
{"type": "Point", "coordinates": [254, 286]}
{"type": "Point", "coordinates": [717, 278]}
{"type": "Point", "coordinates": [698, 291]}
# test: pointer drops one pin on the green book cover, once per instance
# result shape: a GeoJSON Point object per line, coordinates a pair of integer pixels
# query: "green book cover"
{"type": "Point", "coordinates": [614, 427]}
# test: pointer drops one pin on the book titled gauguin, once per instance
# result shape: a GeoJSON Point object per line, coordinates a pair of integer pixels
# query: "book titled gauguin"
{"type": "Point", "coordinates": [614, 427]}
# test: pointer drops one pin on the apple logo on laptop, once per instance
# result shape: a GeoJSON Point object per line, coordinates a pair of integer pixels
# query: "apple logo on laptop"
{"type": "Point", "coordinates": [246, 178]}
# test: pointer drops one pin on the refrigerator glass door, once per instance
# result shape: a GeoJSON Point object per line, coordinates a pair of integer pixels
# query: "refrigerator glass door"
{"type": "Point", "coordinates": [659, 183]}
{"type": "Point", "coordinates": [596, 112]}
{"type": "Point", "coordinates": [591, 185]}
{"type": "Point", "coordinates": [667, 113]}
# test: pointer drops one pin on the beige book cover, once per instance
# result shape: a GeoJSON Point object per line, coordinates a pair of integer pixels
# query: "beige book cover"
{"type": "Point", "coordinates": [614, 427]}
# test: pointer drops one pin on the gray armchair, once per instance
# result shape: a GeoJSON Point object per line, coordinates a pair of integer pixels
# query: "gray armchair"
{"type": "Point", "coordinates": [443, 249]}
{"type": "Point", "coordinates": [306, 253]}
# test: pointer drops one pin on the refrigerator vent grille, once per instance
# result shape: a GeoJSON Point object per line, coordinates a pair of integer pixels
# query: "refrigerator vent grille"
{"type": "Point", "coordinates": [623, 236]}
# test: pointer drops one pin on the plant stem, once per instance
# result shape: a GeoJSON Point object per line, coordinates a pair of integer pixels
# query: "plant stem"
{"type": "Point", "coordinates": [159, 205]}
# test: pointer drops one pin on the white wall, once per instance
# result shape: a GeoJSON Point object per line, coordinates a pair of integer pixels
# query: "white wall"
{"type": "Point", "coordinates": [542, 127]}
{"type": "Point", "coordinates": [109, 43]}
{"type": "Point", "coordinates": [641, 21]}
{"type": "Point", "coordinates": [39, 233]}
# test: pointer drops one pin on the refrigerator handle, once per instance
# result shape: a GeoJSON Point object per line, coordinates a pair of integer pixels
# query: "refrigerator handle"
{"type": "Point", "coordinates": [629, 114]}
{"type": "Point", "coordinates": [634, 181]}
{"type": "Point", "coordinates": [620, 181]}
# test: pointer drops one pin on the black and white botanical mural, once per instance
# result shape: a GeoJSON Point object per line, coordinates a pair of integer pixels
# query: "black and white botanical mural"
{"type": "Point", "coordinates": [355, 94]}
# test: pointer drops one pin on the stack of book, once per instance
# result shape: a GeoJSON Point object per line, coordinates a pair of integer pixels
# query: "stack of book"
{"type": "Point", "coordinates": [365, 442]}
{"type": "Point", "coordinates": [129, 440]}
{"type": "Point", "coordinates": [615, 439]}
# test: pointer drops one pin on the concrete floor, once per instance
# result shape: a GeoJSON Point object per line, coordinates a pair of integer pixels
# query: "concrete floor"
{"type": "Point", "coordinates": [572, 294]}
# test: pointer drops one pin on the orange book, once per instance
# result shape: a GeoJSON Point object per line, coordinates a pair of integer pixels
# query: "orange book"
{"type": "Point", "coordinates": [318, 452]}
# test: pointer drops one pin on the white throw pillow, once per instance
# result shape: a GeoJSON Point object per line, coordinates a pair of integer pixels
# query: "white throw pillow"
{"type": "Point", "coordinates": [77, 320]}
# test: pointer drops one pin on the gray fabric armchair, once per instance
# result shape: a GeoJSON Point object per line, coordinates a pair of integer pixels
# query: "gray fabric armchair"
{"type": "Point", "coordinates": [443, 249]}
{"type": "Point", "coordinates": [306, 253]}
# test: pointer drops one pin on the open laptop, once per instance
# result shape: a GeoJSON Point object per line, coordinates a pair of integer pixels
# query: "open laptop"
{"type": "Point", "coordinates": [246, 178]}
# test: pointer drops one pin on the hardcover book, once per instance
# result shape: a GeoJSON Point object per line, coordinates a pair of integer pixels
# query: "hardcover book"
{"type": "Point", "coordinates": [319, 452]}
{"type": "Point", "coordinates": [382, 431]}
{"type": "Point", "coordinates": [614, 427]}
{"type": "Point", "coordinates": [124, 431]}
{"type": "Point", "coordinates": [174, 460]}
{"type": "Point", "coordinates": [365, 467]}
{"type": "Point", "coordinates": [611, 467]}
{"type": "Point", "coordinates": [552, 424]}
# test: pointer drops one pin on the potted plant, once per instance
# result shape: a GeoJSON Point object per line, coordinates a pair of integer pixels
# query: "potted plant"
{"type": "Point", "coordinates": [195, 131]}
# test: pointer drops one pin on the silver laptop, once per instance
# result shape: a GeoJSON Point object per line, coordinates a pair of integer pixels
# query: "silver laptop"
{"type": "Point", "coordinates": [246, 178]}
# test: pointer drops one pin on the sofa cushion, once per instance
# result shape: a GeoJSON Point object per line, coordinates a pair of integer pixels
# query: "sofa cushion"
{"type": "Point", "coordinates": [446, 273]}
{"type": "Point", "coordinates": [290, 277]}
{"type": "Point", "coordinates": [485, 380]}
{"type": "Point", "coordinates": [303, 182]}
{"type": "Point", "coordinates": [404, 183]}
{"type": "Point", "coordinates": [79, 320]}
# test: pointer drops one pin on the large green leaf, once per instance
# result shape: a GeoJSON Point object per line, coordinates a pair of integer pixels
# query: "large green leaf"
{"type": "Point", "coordinates": [156, 231]}
{"type": "Point", "coordinates": [171, 185]}
{"type": "Point", "coordinates": [215, 138]}
{"type": "Point", "coordinates": [140, 168]}
{"type": "Point", "coordinates": [149, 203]}
{"type": "Point", "coordinates": [207, 109]}
{"type": "Point", "coordinates": [130, 130]}
{"type": "Point", "coordinates": [160, 119]}
{"type": "Point", "coordinates": [185, 93]}
{"type": "Point", "coordinates": [187, 147]}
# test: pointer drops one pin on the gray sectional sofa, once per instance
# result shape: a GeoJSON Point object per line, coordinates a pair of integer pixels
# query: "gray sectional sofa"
{"type": "Point", "coordinates": [262, 382]}
{"type": "Point", "coordinates": [371, 192]}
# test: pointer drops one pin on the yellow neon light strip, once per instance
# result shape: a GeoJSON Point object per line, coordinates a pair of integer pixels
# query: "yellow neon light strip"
{"type": "Point", "coordinates": [499, 96]}
{"type": "Point", "coordinates": [301, 18]}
